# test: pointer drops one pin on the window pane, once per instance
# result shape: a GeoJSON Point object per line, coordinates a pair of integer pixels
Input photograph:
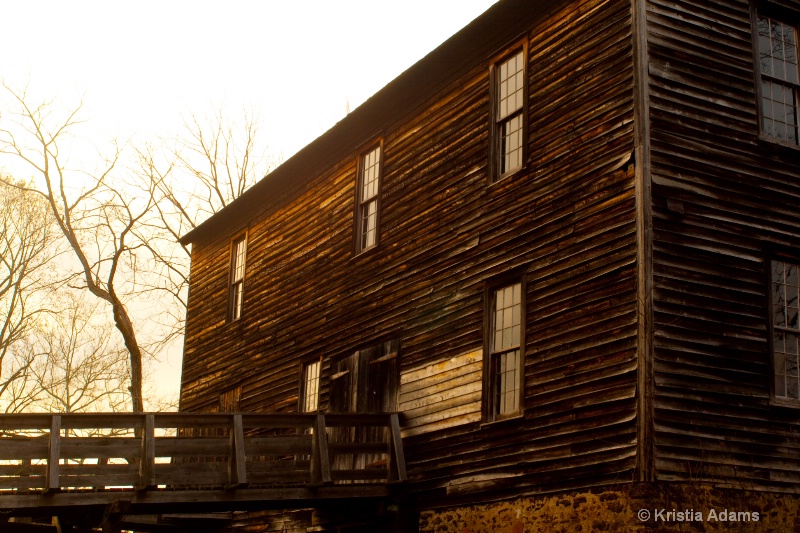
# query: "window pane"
{"type": "Point", "coordinates": [369, 174]}
{"type": "Point", "coordinates": [785, 295]}
{"type": "Point", "coordinates": [779, 344]}
{"type": "Point", "coordinates": [780, 385]}
{"type": "Point", "coordinates": [511, 144]}
{"type": "Point", "coordinates": [780, 363]}
{"type": "Point", "coordinates": [237, 299]}
{"type": "Point", "coordinates": [777, 47]}
{"type": "Point", "coordinates": [311, 386]}
{"type": "Point", "coordinates": [792, 389]}
{"type": "Point", "coordinates": [786, 344]}
{"type": "Point", "coordinates": [510, 86]}
{"type": "Point", "coordinates": [777, 50]}
{"type": "Point", "coordinates": [779, 109]}
{"type": "Point", "coordinates": [506, 318]}
{"type": "Point", "coordinates": [764, 46]}
{"type": "Point", "coordinates": [239, 248]}
{"type": "Point", "coordinates": [507, 383]}
{"type": "Point", "coordinates": [369, 224]}
{"type": "Point", "coordinates": [790, 348]}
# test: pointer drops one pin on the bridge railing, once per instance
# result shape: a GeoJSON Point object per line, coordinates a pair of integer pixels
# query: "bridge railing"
{"type": "Point", "coordinates": [151, 451]}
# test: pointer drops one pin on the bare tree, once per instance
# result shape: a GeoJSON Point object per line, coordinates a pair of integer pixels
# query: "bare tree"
{"type": "Point", "coordinates": [27, 248]}
{"type": "Point", "coordinates": [81, 368]}
{"type": "Point", "coordinates": [96, 217]}
{"type": "Point", "coordinates": [211, 164]}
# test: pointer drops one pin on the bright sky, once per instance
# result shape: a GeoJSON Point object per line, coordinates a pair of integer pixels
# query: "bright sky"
{"type": "Point", "coordinates": [138, 66]}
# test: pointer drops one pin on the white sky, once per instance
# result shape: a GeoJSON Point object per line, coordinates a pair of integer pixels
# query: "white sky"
{"type": "Point", "coordinates": [138, 66]}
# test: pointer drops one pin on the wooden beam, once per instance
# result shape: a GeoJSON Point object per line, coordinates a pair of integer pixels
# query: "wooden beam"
{"type": "Point", "coordinates": [53, 454]}
{"type": "Point", "coordinates": [237, 462]}
{"type": "Point", "coordinates": [202, 500]}
{"type": "Point", "coordinates": [21, 527]}
{"type": "Point", "coordinates": [320, 448]}
{"type": "Point", "coordinates": [397, 449]}
{"type": "Point", "coordinates": [147, 469]}
{"type": "Point", "coordinates": [645, 443]}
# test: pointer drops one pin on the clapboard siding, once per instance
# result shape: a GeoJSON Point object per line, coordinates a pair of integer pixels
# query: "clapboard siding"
{"type": "Point", "coordinates": [442, 395]}
{"type": "Point", "coordinates": [720, 195]}
{"type": "Point", "coordinates": [566, 221]}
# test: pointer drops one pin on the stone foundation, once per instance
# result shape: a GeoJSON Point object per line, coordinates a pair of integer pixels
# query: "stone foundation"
{"type": "Point", "coordinates": [664, 507]}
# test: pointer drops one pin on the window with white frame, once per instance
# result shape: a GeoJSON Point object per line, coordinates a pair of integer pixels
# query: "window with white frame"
{"type": "Point", "coordinates": [780, 81]}
{"type": "Point", "coordinates": [785, 302]}
{"type": "Point", "coordinates": [309, 391]}
{"type": "Point", "coordinates": [236, 283]}
{"type": "Point", "coordinates": [369, 176]}
{"type": "Point", "coordinates": [505, 352]}
{"type": "Point", "coordinates": [508, 104]}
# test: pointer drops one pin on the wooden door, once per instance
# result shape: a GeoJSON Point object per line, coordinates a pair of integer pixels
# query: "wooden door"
{"type": "Point", "coordinates": [364, 382]}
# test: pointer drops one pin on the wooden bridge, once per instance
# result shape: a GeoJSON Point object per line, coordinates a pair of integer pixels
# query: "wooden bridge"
{"type": "Point", "coordinates": [151, 464]}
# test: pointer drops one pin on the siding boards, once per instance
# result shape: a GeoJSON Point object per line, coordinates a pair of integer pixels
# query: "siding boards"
{"type": "Point", "coordinates": [720, 195]}
{"type": "Point", "coordinates": [567, 220]}
{"type": "Point", "coordinates": [442, 395]}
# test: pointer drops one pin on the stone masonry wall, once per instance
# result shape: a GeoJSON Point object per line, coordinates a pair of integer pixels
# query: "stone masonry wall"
{"type": "Point", "coordinates": [662, 507]}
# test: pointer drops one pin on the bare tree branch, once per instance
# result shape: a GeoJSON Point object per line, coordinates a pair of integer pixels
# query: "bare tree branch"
{"type": "Point", "coordinates": [94, 218]}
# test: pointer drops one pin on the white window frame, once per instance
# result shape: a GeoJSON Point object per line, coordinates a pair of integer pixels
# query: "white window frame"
{"type": "Point", "coordinates": [784, 302]}
{"type": "Point", "coordinates": [509, 113]}
{"type": "Point", "coordinates": [370, 170]}
{"type": "Point", "coordinates": [310, 386]}
{"type": "Point", "coordinates": [236, 277]}
{"type": "Point", "coordinates": [504, 366]}
{"type": "Point", "coordinates": [778, 81]}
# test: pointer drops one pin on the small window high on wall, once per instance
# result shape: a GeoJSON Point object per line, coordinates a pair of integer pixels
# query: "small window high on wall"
{"type": "Point", "coordinates": [368, 199]}
{"type": "Point", "coordinates": [309, 387]}
{"type": "Point", "coordinates": [777, 68]}
{"type": "Point", "coordinates": [236, 278]}
{"type": "Point", "coordinates": [509, 116]}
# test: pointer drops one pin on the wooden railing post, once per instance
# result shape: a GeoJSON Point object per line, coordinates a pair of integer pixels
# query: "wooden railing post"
{"type": "Point", "coordinates": [147, 466]}
{"type": "Point", "coordinates": [320, 460]}
{"type": "Point", "coordinates": [237, 462]}
{"type": "Point", "coordinates": [397, 449]}
{"type": "Point", "coordinates": [53, 454]}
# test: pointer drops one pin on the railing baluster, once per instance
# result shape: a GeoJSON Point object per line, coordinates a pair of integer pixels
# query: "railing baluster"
{"type": "Point", "coordinates": [320, 452]}
{"type": "Point", "coordinates": [147, 467]}
{"type": "Point", "coordinates": [53, 454]}
{"type": "Point", "coordinates": [237, 463]}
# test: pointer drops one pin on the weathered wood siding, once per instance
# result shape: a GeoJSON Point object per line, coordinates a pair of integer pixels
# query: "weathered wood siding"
{"type": "Point", "coordinates": [567, 220]}
{"type": "Point", "coordinates": [719, 196]}
{"type": "Point", "coordinates": [443, 394]}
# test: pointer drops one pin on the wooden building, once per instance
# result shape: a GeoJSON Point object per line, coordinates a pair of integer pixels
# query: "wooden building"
{"type": "Point", "coordinates": [564, 245]}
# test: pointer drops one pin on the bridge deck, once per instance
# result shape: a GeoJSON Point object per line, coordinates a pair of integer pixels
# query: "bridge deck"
{"type": "Point", "coordinates": [182, 462]}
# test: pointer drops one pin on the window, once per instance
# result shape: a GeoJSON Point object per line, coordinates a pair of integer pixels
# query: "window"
{"type": "Point", "coordinates": [509, 119]}
{"type": "Point", "coordinates": [785, 282]}
{"type": "Point", "coordinates": [369, 174]}
{"type": "Point", "coordinates": [505, 352]}
{"type": "Point", "coordinates": [777, 57]}
{"type": "Point", "coordinates": [236, 286]}
{"type": "Point", "coordinates": [309, 387]}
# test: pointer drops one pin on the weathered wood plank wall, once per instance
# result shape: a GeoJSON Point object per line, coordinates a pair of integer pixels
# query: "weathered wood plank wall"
{"type": "Point", "coordinates": [719, 196]}
{"type": "Point", "coordinates": [566, 220]}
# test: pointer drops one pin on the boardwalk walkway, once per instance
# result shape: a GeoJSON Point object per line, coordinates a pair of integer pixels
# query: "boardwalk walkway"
{"type": "Point", "coordinates": [146, 464]}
